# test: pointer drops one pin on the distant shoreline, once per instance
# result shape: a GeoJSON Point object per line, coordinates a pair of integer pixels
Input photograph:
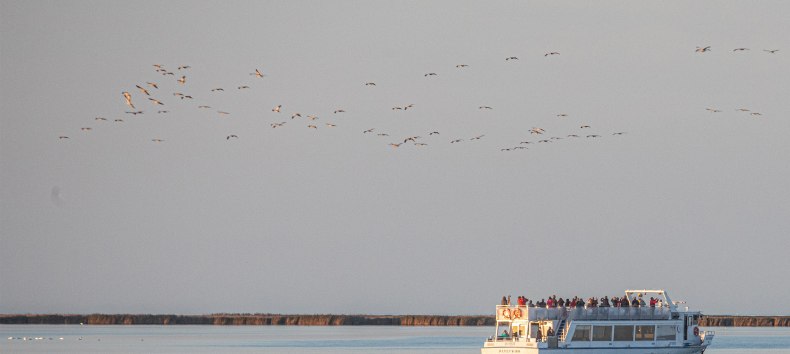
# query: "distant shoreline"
{"type": "Point", "coordinates": [227, 319]}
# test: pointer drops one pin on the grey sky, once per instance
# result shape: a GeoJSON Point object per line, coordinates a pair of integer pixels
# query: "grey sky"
{"type": "Point", "coordinates": [331, 220]}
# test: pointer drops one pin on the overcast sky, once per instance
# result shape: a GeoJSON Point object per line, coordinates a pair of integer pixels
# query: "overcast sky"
{"type": "Point", "coordinates": [333, 220]}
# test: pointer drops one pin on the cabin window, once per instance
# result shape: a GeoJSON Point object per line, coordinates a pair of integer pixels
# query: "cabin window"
{"type": "Point", "coordinates": [624, 333]}
{"type": "Point", "coordinates": [645, 333]}
{"type": "Point", "coordinates": [602, 333]}
{"type": "Point", "coordinates": [664, 332]}
{"type": "Point", "coordinates": [582, 333]}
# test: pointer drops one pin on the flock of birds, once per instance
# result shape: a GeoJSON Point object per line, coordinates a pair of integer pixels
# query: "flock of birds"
{"type": "Point", "coordinates": [152, 91]}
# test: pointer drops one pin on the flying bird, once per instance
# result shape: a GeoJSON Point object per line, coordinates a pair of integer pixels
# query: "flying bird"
{"type": "Point", "coordinates": [562, 115]}
{"type": "Point", "coordinates": [739, 49]}
{"type": "Point", "coordinates": [484, 107]}
{"type": "Point", "coordinates": [118, 120]}
{"type": "Point", "coordinates": [511, 58]}
{"type": "Point", "coordinates": [368, 131]}
{"type": "Point", "coordinates": [204, 107]}
{"type": "Point", "coordinates": [456, 141]}
{"type": "Point", "coordinates": [551, 53]}
{"type": "Point", "coordinates": [275, 125]}
{"type": "Point", "coordinates": [330, 125]}
{"type": "Point", "coordinates": [477, 137]}
{"type": "Point", "coordinates": [223, 112]}
{"type": "Point", "coordinates": [162, 111]}
{"type": "Point", "coordinates": [277, 108]}
{"type": "Point", "coordinates": [296, 115]}
{"type": "Point", "coordinates": [584, 126]}
{"type": "Point", "coordinates": [143, 90]}
{"type": "Point", "coordinates": [395, 145]}
{"type": "Point", "coordinates": [153, 84]}
{"type": "Point", "coordinates": [231, 136]}
{"type": "Point", "coordinates": [772, 51]}
{"type": "Point", "coordinates": [618, 133]}
{"type": "Point", "coordinates": [184, 67]}
{"type": "Point", "coordinates": [157, 140]}
{"type": "Point", "coordinates": [182, 80]}
{"type": "Point", "coordinates": [128, 98]}
{"type": "Point", "coordinates": [100, 118]}
{"type": "Point", "coordinates": [702, 49]}
{"type": "Point", "coordinates": [86, 129]}
{"type": "Point", "coordinates": [63, 137]}
{"type": "Point", "coordinates": [312, 126]}
{"type": "Point", "coordinates": [461, 66]}
{"type": "Point", "coordinates": [382, 134]}
{"type": "Point", "coordinates": [370, 84]}
{"type": "Point", "coordinates": [431, 74]}
{"type": "Point", "coordinates": [593, 136]}
{"type": "Point", "coordinates": [432, 133]}
{"type": "Point", "coordinates": [339, 111]}
{"type": "Point", "coordinates": [155, 101]}
{"type": "Point", "coordinates": [257, 73]}
{"type": "Point", "coordinates": [217, 89]}
{"type": "Point", "coordinates": [135, 112]}
{"type": "Point", "coordinates": [243, 87]}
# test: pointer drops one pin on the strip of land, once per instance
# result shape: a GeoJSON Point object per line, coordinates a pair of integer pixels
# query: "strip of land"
{"type": "Point", "coordinates": [330, 320]}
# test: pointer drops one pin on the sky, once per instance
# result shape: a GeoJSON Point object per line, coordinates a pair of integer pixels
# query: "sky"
{"type": "Point", "coordinates": [228, 214]}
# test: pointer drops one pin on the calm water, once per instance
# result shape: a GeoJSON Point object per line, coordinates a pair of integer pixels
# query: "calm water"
{"type": "Point", "coordinates": [334, 340]}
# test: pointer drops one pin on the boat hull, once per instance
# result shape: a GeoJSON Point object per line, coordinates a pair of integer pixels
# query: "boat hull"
{"type": "Point", "coordinates": [516, 350]}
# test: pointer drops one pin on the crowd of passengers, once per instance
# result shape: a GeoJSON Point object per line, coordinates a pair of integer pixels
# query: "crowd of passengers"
{"type": "Point", "coordinates": [578, 302]}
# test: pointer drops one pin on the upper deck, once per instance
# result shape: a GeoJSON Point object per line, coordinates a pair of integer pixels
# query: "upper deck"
{"type": "Point", "coordinates": [523, 313]}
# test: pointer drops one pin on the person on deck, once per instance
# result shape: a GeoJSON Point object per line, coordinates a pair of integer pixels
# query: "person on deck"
{"type": "Point", "coordinates": [504, 300]}
{"type": "Point", "coordinates": [635, 302]}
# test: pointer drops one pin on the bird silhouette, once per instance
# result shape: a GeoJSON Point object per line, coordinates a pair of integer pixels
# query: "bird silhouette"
{"type": "Point", "coordinates": [143, 90]}
{"type": "Point", "coordinates": [128, 98]}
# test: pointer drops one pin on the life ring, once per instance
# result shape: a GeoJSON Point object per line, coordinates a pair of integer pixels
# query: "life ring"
{"type": "Point", "coordinates": [517, 313]}
{"type": "Point", "coordinates": [506, 313]}
{"type": "Point", "coordinates": [696, 331]}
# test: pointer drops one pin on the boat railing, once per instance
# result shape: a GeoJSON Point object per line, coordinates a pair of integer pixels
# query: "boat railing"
{"type": "Point", "coordinates": [589, 314]}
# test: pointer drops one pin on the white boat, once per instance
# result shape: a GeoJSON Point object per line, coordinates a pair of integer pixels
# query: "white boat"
{"type": "Point", "coordinates": [663, 329]}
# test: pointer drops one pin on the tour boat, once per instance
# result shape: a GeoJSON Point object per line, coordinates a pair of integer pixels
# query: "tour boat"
{"type": "Point", "coordinates": [663, 329]}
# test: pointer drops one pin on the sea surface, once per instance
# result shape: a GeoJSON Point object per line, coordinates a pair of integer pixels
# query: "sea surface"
{"type": "Point", "coordinates": [304, 339]}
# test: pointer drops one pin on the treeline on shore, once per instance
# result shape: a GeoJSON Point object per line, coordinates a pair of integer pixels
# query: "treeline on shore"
{"type": "Point", "coordinates": [332, 320]}
{"type": "Point", "coordinates": [252, 319]}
